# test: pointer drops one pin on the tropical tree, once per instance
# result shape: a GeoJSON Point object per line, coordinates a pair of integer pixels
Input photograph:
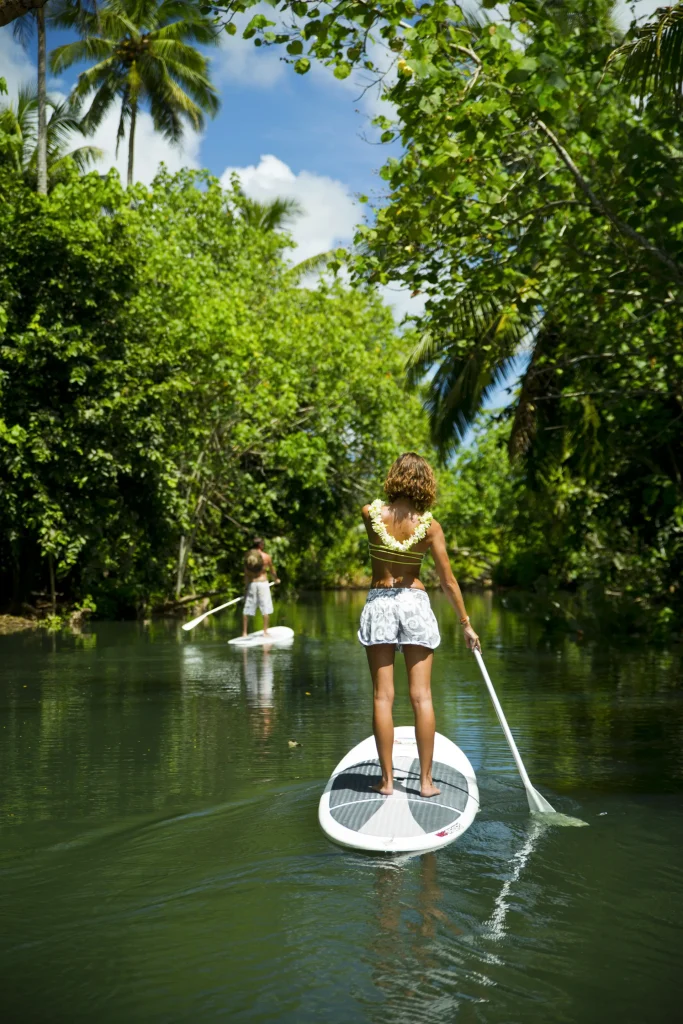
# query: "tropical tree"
{"type": "Point", "coordinates": [19, 150]}
{"type": "Point", "coordinates": [650, 61]}
{"type": "Point", "coordinates": [167, 390]}
{"type": "Point", "coordinates": [538, 211]}
{"type": "Point", "coordinates": [143, 56]}
{"type": "Point", "coordinates": [23, 31]}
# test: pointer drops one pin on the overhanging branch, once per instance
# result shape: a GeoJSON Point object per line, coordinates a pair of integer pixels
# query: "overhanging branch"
{"type": "Point", "coordinates": [622, 227]}
{"type": "Point", "coordinates": [12, 9]}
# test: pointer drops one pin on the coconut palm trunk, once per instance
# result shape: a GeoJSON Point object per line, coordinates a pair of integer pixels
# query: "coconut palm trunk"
{"type": "Point", "coordinates": [41, 156]}
{"type": "Point", "coordinates": [131, 141]}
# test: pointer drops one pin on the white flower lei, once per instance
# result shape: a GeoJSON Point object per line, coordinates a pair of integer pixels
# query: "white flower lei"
{"type": "Point", "coordinates": [424, 522]}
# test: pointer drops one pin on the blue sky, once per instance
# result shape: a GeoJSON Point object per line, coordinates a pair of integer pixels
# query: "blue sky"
{"type": "Point", "coordinates": [309, 137]}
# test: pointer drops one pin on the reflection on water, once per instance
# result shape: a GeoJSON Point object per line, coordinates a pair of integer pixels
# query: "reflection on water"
{"type": "Point", "coordinates": [161, 857]}
{"type": "Point", "coordinates": [496, 923]}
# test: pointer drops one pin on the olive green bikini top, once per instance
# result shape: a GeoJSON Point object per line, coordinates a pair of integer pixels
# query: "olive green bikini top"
{"type": "Point", "coordinates": [412, 559]}
{"type": "Point", "coordinates": [397, 551]}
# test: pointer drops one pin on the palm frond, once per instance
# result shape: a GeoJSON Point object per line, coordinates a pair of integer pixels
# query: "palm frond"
{"type": "Point", "coordinates": [270, 216]}
{"type": "Point", "coordinates": [82, 159]}
{"type": "Point", "coordinates": [78, 52]}
{"type": "Point", "coordinates": [80, 14]}
{"type": "Point", "coordinates": [24, 29]}
{"type": "Point", "coordinates": [460, 371]}
{"type": "Point", "coordinates": [124, 117]}
{"type": "Point", "coordinates": [102, 100]}
{"type": "Point", "coordinates": [20, 122]}
{"type": "Point", "coordinates": [195, 31]}
{"type": "Point", "coordinates": [62, 125]}
{"type": "Point", "coordinates": [27, 104]}
{"type": "Point", "coordinates": [312, 265]}
{"type": "Point", "coordinates": [652, 61]}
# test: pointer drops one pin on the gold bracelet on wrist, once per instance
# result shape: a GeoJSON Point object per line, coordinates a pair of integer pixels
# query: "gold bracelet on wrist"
{"type": "Point", "coordinates": [465, 620]}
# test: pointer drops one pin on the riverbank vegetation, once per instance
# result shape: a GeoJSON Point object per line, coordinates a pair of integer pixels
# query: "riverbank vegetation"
{"type": "Point", "coordinates": [168, 390]}
{"type": "Point", "coordinates": [167, 387]}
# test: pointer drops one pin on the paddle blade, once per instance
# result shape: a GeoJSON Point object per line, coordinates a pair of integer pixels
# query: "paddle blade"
{"type": "Point", "coordinates": [538, 803]}
{"type": "Point", "coordinates": [193, 622]}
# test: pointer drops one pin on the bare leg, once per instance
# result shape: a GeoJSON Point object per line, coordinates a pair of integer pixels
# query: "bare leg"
{"type": "Point", "coordinates": [419, 666]}
{"type": "Point", "coordinates": [245, 624]}
{"type": "Point", "coordinates": [381, 662]}
{"type": "Point", "coordinates": [265, 624]}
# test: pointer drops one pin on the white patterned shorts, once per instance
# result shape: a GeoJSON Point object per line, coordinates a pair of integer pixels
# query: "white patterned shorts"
{"type": "Point", "coordinates": [258, 596]}
{"type": "Point", "coordinates": [398, 615]}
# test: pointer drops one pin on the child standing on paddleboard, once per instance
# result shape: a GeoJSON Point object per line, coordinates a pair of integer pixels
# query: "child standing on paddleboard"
{"type": "Point", "coordinates": [397, 614]}
{"type": "Point", "coordinates": [258, 566]}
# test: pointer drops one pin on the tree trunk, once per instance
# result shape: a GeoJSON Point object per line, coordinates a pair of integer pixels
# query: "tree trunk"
{"type": "Point", "coordinates": [42, 105]}
{"type": "Point", "coordinates": [53, 589]}
{"type": "Point", "coordinates": [183, 554]}
{"type": "Point", "coordinates": [131, 142]}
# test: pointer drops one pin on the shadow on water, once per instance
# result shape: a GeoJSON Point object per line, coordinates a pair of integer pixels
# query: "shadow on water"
{"type": "Point", "coordinates": [161, 858]}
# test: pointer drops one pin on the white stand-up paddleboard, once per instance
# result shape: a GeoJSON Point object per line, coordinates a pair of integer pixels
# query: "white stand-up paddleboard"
{"type": "Point", "coordinates": [352, 814]}
{"type": "Point", "coordinates": [275, 635]}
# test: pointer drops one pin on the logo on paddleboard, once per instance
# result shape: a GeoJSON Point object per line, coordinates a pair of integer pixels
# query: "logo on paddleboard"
{"type": "Point", "coordinates": [449, 831]}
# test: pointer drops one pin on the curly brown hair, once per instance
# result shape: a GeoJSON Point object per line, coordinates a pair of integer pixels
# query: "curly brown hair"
{"type": "Point", "coordinates": [411, 477]}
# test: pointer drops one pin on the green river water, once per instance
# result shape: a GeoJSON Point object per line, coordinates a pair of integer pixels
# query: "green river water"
{"type": "Point", "coordinates": [161, 858]}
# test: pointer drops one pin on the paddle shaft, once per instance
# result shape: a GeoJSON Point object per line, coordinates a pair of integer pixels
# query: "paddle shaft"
{"type": "Point", "coordinates": [503, 721]}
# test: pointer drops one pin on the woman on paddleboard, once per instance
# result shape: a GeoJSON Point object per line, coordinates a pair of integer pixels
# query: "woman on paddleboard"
{"type": "Point", "coordinates": [397, 614]}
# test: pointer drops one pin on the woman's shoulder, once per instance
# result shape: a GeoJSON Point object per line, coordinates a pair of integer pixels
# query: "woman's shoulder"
{"type": "Point", "coordinates": [434, 527]}
{"type": "Point", "coordinates": [435, 531]}
{"type": "Point", "coordinates": [367, 510]}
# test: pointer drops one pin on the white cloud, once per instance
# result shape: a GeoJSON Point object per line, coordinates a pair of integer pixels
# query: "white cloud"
{"type": "Point", "coordinates": [16, 66]}
{"type": "Point", "coordinates": [329, 216]}
{"type": "Point", "coordinates": [239, 60]}
{"type": "Point", "coordinates": [402, 302]}
{"type": "Point", "coordinates": [329, 219]}
{"type": "Point", "coordinates": [643, 8]}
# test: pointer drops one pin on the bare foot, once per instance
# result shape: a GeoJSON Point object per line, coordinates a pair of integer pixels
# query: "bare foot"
{"type": "Point", "coordinates": [385, 788]}
{"type": "Point", "coordinates": [429, 789]}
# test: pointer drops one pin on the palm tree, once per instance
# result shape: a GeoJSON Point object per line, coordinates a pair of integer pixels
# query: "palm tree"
{"type": "Point", "coordinates": [460, 381]}
{"type": "Point", "coordinates": [142, 55]}
{"type": "Point", "coordinates": [20, 124]}
{"type": "Point", "coordinates": [274, 216]}
{"type": "Point", "coordinates": [652, 59]}
{"type": "Point", "coordinates": [270, 216]}
{"type": "Point", "coordinates": [23, 31]}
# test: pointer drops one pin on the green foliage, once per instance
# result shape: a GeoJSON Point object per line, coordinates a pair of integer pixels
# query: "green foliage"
{"type": "Point", "coordinates": [534, 205]}
{"type": "Point", "coordinates": [341, 36]}
{"type": "Point", "coordinates": [166, 390]}
{"type": "Point", "coordinates": [479, 506]}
